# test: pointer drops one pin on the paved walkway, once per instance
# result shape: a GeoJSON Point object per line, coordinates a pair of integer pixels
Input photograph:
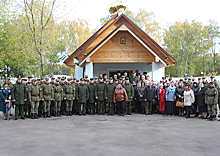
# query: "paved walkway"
{"type": "Point", "coordinates": [134, 135]}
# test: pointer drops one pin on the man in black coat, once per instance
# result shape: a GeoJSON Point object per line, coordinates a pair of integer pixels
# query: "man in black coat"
{"type": "Point", "coordinates": [150, 96]}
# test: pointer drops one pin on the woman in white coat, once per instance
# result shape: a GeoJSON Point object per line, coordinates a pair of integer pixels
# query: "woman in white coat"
{"type": "Point", "coordinates": [189, 99]}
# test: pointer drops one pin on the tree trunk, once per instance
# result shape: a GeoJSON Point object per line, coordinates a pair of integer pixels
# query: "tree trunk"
{"type": "Point", "coordinates": [42, 64]}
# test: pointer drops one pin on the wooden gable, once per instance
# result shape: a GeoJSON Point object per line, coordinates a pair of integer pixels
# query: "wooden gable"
{"type": "Point", "coordinates": [104, 37]}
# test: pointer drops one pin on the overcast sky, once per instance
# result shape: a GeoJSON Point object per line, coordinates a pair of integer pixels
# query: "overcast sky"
{"type": "Point", "coordinates": [166, 11]}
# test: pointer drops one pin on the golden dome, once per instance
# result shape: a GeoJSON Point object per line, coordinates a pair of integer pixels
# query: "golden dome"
{"type": "Point", "coordinates": [115, 6]}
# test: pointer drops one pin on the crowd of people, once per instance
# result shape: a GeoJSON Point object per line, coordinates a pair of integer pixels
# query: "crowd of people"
{"type": "Point", "coordinates": [120, 94]}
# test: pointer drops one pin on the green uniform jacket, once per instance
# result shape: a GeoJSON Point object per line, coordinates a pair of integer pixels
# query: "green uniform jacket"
{"type": "Point", "coordinates": [34, 92]}
{"type": "Point", "coordinates": [82, 93]}
{"type": "Point", "coordinates": [58, 92]}
{"type": "Point", "coordinates": [206, 84]}
{"type": "Point", "coordinates": [47, 90]}
{"type": "Point", "coordinates": [135, 79]}
{"type": "Point", "coordinates": [109, 92]}
{"type": "Point", "coordinates": [130, 90]}
{"type": "Point", "coordinates": [211, 96]}
{"type": "Point", "coordinates": [91, 88]}
{"type": "Point", "coordinates": [69, 91]}
{"type": "Point", "coordinates": [19, 93]}
{"type": "Point", "coordinates": [100, 91]}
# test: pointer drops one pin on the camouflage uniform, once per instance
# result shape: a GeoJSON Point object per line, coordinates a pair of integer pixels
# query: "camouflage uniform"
{"type": "Point", "coordinates": [58, 96]}
{"type": "Point", "coordinates": [69, 94]}
{"type": "Point", "coordinates": [211, 99]}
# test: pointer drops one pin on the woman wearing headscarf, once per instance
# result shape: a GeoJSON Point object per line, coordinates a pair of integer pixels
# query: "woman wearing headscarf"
{"type": "Point", "coordinates": [179, 97]}
{"type": "Point", "coordinates": [189, 99]}
{"type": "Point", "coordinates": [161, 93]}
{"type": "Point", "coordinates": [201, 101]}
{"type": "Point", "coordinates": [170, 98]}
{"type": "Point", "coordinates": [4, 98]}
{"type": "Point", "coordinates": [120, 96]}
{"type": "Point", "coordinates": [195, 89]}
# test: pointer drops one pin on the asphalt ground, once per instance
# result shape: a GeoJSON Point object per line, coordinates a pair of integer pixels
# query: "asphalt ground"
{"type": "Point", "coordinates": [134, 135]}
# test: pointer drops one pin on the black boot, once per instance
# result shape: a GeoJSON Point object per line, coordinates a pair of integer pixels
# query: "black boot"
{"type": "Point", "coordinates": [70, 113]}
{"type": "Point", "coordinates": [99, 112]}
{"type": "Point", "coordinates": [45, 114]}
{"type": "Point", "coordinates": [48, 114]}
{"type": "Point", "coordinates": [67, 113]}
{"type": "Point", "coordinates": [39, 114]}
{"type": "Point", "coordinates": [35, 116]}
{"type": "Point", "coordinates": [32, 115]}
{"type": "Point", "coordinates": [58, 113]}
{"type": "Point", "coordinates": [129, 112]}
{"type": "Point", "coordinates": [55, 114]}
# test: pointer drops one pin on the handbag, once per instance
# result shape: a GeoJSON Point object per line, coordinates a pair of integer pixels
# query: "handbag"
{"type": "Point", "coordinates": [179, 104]}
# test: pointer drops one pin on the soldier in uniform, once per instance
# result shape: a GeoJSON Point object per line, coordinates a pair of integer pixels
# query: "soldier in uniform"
{"type": "Point", "coordinates": [58, 96]}
{"type": "Point", "coordinates": [76, 106]}
{"type": "Point", "coordinates": [63, 108]}
{"type": "Point", "coordinates": [133, 78]}
{"type": "Point", "coordinates": [19, 96]}
{"type": "Point", "coordinates": [41, 103]}
{"type": "Point", "coordinates": [10, 83]}
{"type": "Point", "coordinates": [30, 79]}
{"type": "Point", "coordinates": [130, 93]}
{"type": "Point", "coordinates": [212, 78]}
{"type": "Point", "coordinates": [91, 88]}
{"type": "Point", "coordinates": [99, 93]}
{"type": "Point", "coordinates": [211, 99]}
{"type": "Point", "coordinates": [48, 95]}
{"type": "Point", "coordinates": [204, 81]}
{"type": "Point", "coordinates": [109, 95]}
{"type": "Point", "coordinates": [69, 96]}
{"type": "Point", "coordinates": [34, 97]}
{"type": "Point", "coordinates": [82, 95]}
{"type": "Point", "coordinates": [52, 112]}
{"type": "Point", "coordinates": [27, 107]}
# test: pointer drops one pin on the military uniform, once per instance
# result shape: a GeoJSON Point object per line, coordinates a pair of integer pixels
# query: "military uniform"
{"type": "Point", "coordinates": [109, 95]}
{"type": "Point", "coordinates": [211, 99]}
{"type": "Point", "coordinates": [19, 94]}
{"type": "Point", "coordinates": [27, 106]}
{"type": "Point", "coordinates": [69, 95]}
{"type": "Point", "coordinates": [34, 92]}
{"type": "Point", "coordinates": [82, 95]}
{"type": "Point", "coordinates": [73, 104]}
{"type": "Point", "coordinates": [52, 102]}
{"type": "Point", "coordinates": [58, 96]}
{"type": "Point", "coordinates": [41, 103]}
{"type": "Point", "coordinates": [63, 107]}
{"type": "Point", "coordinates": [91, 88]}
{"type": "Point", "coordinates": [99, 93]}
{"type": "Point", "coordinates": [130, 92]}
{"type": "Point", "coordinates": [76, 106]}
{"type": "Point", "coordinates": [48, 95]}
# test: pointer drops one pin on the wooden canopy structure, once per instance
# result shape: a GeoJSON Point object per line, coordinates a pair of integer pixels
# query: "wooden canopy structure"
{"type": "Point", "coordinates": [120, 40]}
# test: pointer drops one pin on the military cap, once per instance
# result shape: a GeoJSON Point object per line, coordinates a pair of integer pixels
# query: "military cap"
{"type": "Point", "coordinates": [74, 78]}
{"type": "Point", "coordinates": [111, 78]}
{"type": "Point", "coordinates": [29, 82]}
{"type": "Point", "coordinates": [29, 77]}
{"type": "Point", "coordinates": [38, 79]}
{"type": "Point", "coordinates": [86, 76]}
{"type": "Point", "coordinates": [59, 77]}
{"type": "Point", "coordinates": [161, 81]}
{"type": "Point", "coordinates": [203, 77]}
{"type": "Point", "coordinates": [47, 79]}
{"type": "Point", "coordinates": [91, 79]}
{"type": "Point", "coordinates": [170, 78]}
{"type": "Point", "coordinates": [199, 78]}
{"type": "Point", "coordinates": [138, 74]}
{"type": "Point", "coordinates": [96, 77]}
{"type": "Point", "coordinates": [144, 73]}
{"type": "Point", "coordinates": [53, 78]}
{"type": "Point", "coordinates": [24, 79]}
{"type": "Point", "coordinates": [212, 76]}
{"type": "Point", "coordinates": [193, 79]}
{"type": "Point", "coordinates": [34, 80]}
{"type": "Point", "coordinates": [123, 76]}
{"type": "Point", "coordinates": [19, 77]}
{"type": "Point", "coordinates": [82, 79]}
{"type": "Point", "coordinates": [119, 72]}
{"type": "Point", "coordinates": [77, 80]}
{"type": "Point", "coordinates": [134, 72]}
{"type": "Point", "coordinates": [120, 78]}
{"type": "Point", "coordinates": [100, 77]}
{"type": "Point", "coordinates": [69, 79]}
{"type": "Point", "coordinates": [189, 78]}
{"type": "Point", "coordinates": [62, 78]}
{"type": "Point", "coordinates": [57, 80]}
{"type": "Point", "coordinates": [185, 78]}
{"type": "Point", "coordinates": [127, 78]}
{"type": "Point", "coordinates": [106, 80]}
{"type": "Point", "coordinates": [181, 79]}
{"type": "Point", "coordinates": [116, 79]}
{"type": "Point", "coordinates": [163, 78]}
{"type": "Point", "coordinates": [9, 78]}
{"type": "Point", "coordinates": [211, 82]}
{"type": "Point", "coordinates": [42, 78]}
